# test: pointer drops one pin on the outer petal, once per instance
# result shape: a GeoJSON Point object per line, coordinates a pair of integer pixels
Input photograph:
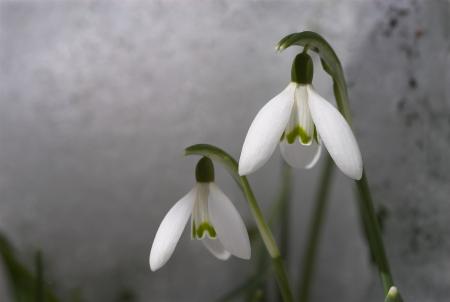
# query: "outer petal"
{"type": "Point", "coordinates": [170, 230]}
{"type": "Point", "coordinates": [336, 134]}
{"type": "Point", "coordinates": [266, 130]}
{"type": "Point", "coordinates": [230, 228]}
{"type": "Point", "coordinates": [298, 155]}
{"type": "Point", "coordinates": [216, 248]}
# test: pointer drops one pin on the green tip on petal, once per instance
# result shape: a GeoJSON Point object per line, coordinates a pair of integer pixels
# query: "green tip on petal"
{"type": "Point", "coordinates": [299, 132]}
{"type": "Point", "coordinates": [199, 232]}
{"type": "Point", "coordinates": [204, 171]}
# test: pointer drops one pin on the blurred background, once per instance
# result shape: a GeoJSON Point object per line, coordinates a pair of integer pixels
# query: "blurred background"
{"type": "Point", "coordinates": [98, 99]}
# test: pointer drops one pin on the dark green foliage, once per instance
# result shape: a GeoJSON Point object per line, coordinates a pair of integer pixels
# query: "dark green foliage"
{"type": "Point", "coordinates": [25, 285]}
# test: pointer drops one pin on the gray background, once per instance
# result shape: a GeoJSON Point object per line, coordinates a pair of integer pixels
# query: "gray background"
{"type": "Point", "coordinates": [98, 100]}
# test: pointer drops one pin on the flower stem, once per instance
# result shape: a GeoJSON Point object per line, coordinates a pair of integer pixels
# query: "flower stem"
{"type": "Point", "coordinates": [366, 208]}
{"type": "Point", "coordinates": [285, 211]}
{"type": "Point", "coordinates": [373, 233]}
{"type": "Point", "coordinates": [315, 227]}
{"type": "Point", "coordinates": [284, 202]}
{"type": "Point", "coordinates": [269, 242]}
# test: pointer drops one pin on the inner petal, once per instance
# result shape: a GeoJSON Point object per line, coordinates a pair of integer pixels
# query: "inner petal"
{"type": "Point", "coordinates": [201, 225]}
{"type": "Point", "coordinates": [298, 155]}
{"type": "Point", "coordinates": [304, 118]}
{"type": "Point", "coordinates": [300, 125]}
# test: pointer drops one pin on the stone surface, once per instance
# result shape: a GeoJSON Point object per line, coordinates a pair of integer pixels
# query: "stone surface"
{"type": "Point", "coordinates": [98, 100]}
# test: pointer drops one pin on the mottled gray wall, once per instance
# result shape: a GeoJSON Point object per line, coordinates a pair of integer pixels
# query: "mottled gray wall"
{"type": "Point", "coordinates": [98, 100]}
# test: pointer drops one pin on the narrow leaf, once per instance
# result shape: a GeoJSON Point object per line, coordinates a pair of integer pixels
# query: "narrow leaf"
{"type": "Point", "coordinates": [21, 280]}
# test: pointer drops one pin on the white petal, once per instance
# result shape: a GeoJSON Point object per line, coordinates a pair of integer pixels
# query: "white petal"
{"type": "Point", "coordinates": [298, 155]}
{"type": "Point", "coordinates": [336, 134]}
{"type": "Point", "coordinates": [266, 130]}
{"type": "Point", "coordinates": [227, 222]}
{"type": "Point", "coordinates": [170, 230]}
{"type": "Point", "coordinates": [216, 248]}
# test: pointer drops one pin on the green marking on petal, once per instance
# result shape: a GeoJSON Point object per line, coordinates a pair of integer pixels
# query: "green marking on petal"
{"type": "Point", "coordinates": [315, 135]}
{"type": "Point", "coordinates": [304, 137]}
{"type": "Point", "coordinates": [193, 230]}
{"type": "Point", "coordinates": [300, 133]}
{"type": "Point", "coordinates": [205, 227]}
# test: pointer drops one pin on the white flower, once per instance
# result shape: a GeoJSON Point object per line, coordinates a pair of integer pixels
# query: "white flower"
{"type": "Point", "coordinates": [300, 121]}
{"type": "Point", "coordinates": [214, 220]}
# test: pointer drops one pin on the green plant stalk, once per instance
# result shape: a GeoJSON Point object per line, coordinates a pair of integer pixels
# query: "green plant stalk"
{"type": "Point", "coordinates": [266, 234]}
{"type": "Point", "coordinates": [284, 201]}
{"type": "Point", "coordinates": [367, 210]}
{"type": "Point", "coordinates": [263, 228]}
{"type": "Point", "coordinates": [284, 213]}
{"type": "Point", "coordinates": [269, 242]}
{"type": "Point", "coordinates": [374, 234]}
{"type": "Point", "coordinates": [278, 211]}
{"type": "Point", "coordinates": [320, 204]}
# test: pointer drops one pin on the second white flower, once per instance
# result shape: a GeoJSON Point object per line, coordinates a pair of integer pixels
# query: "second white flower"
{"type": "Point", "coordinates": [300, 121]}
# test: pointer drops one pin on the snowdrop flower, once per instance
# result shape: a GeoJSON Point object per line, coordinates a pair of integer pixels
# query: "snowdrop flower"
{"type": "Point", "coordinates": [214, 221]}
{"type": "Point", "coordinates": [300, 121]}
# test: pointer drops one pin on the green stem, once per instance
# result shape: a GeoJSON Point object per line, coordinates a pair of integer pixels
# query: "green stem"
{"type": "Point", "coordinates": [263, 228]}
{"type": "Point", "coordinates": [269, 242]}
{"type": "Point", "coordinates": [315, 228]}
{"type": "Point", "coordinates": [373, 232]}
{"type": "Point", "coordinates": [367, 211]}
{"type": "Point", "coordinates": [266, 234]}
{"type": "Point", "coordinates": [284, 213]}
{"type": "Point", "coordinates": [285, 210]}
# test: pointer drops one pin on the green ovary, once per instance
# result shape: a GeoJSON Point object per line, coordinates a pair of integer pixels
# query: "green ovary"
{"type": "Point", "coordinates": [298, 132]}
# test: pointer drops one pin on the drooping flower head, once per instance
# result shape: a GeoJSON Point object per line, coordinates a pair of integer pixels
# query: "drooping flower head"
{"type": "Point", "coordinates": [214, 221]}
{"type": "Point", "coordinates": [300, 121]}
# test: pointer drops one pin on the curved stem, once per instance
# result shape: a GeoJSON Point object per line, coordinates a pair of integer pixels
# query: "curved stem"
{"type": "Point", "coordinates": [373, 233]}
{"type": "Point", "coordinates": [284, 204]}
{"type": "Point", "coordinates": [315, 228]}
{"type": "Point", "coordinates": [263, 227]}
{"type": "Point", "coordinates": [367, 212]}
{"type": "Point", "coordinates": [269, 242]}
{"type": "Point", "coordinates": [266, 234]}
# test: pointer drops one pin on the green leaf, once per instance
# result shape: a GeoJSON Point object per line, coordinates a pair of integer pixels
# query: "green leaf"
{"type": "Point", "coordinates": [328, 58]}
{"type": "Point", "coordinates": [24, 285]}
